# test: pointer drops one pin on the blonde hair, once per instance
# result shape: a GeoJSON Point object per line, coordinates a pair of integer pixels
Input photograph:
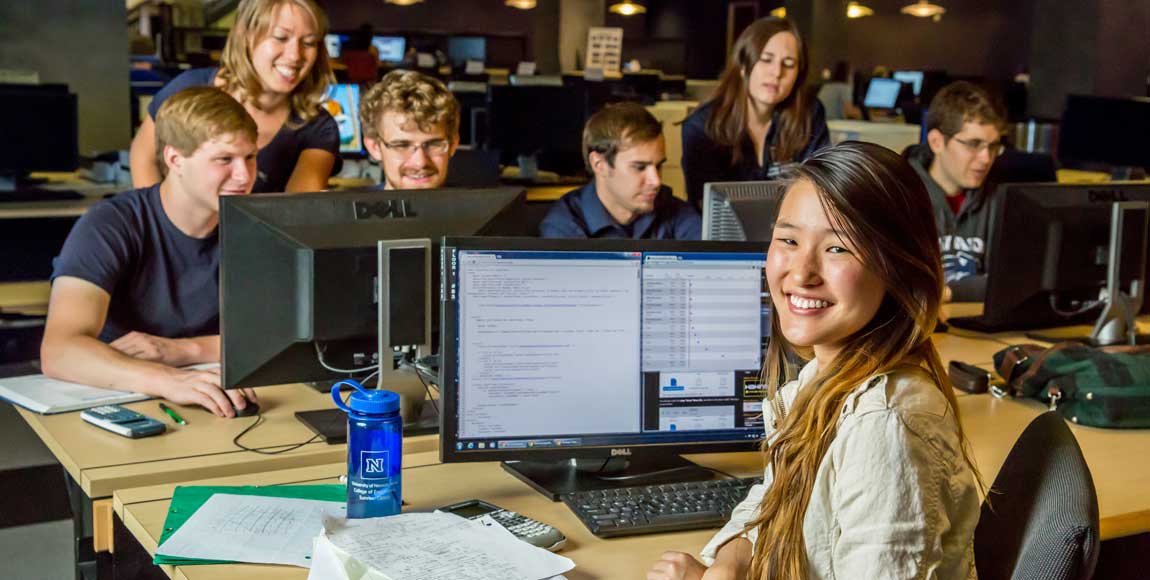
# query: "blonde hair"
{"type": "Point", "coordinates": [422, 99]}
{"type": "Point", "coordinates": [238, 76]}
{"type": "Point", "coordinates": [196, 115]}
{"type": "Point", "coordinates": [871, 195]}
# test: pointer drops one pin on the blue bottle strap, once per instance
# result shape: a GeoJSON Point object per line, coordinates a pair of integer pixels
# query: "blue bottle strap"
{"type": "Point", "coordinates": [335, 393]}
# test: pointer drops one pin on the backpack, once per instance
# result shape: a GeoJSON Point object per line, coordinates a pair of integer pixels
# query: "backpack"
{"type": "Point", "coordinates": [1099, 387]}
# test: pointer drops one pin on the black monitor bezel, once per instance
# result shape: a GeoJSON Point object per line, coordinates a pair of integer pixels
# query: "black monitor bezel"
{"type": "Point", "coordinates": [449, 419]}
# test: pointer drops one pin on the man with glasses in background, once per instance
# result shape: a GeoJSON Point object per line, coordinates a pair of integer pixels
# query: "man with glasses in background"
{"type": "Point", "coordinates": [964, 137]}
{"type": "Point", "coordinates": [411, 127]}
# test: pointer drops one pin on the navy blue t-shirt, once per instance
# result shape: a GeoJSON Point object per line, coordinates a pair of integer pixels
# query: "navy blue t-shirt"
{"type": "Point", "coordinates": [580, 214]}
{"type": "Point", "coordinates": [705, 161]}
{"type": "Point", "coordinates": [162, 281]}
{"type": "Point", "coordinates": [276, 160]}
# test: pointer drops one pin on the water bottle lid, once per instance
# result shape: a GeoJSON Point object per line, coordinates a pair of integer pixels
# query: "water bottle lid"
{"type": "Point", "coordinates": [376, 402]}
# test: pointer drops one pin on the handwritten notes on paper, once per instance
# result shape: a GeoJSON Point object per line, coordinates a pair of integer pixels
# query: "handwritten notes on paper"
{"type": "Point", "coordinates": [266, 530]}
{"type": "Point", "coordinates": [439, 546]}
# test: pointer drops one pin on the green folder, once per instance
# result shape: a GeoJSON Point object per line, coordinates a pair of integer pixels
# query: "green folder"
{"type": "Point", "coordinates": [187, 499]}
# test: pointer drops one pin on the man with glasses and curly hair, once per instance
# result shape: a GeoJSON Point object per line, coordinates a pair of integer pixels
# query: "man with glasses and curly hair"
{"type": "Point", "coordinates": [411, 127]}
{"type": "Point", "coordinates": [964, 137]}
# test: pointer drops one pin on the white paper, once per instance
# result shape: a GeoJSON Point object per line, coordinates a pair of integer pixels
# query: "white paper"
{"type": "Point", "coordinates": [474, 67]}
{"type": "Point", "coordinates": [440, 546]}
{"type": "Point", "coordinates": [525, 68]}
{"type": "Point", "coordinates": [246, 528]}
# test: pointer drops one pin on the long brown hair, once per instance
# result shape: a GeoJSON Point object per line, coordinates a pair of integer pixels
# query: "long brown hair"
{"type": "Point", "coordinates": [253, 23]}
{"type": "Point", "coordinates": [873, 197]}
{"type": "Point", "coordinates": [728, 121]}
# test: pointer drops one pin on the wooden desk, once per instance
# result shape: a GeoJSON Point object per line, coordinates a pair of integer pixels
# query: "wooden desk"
{"type": "Point", "coordinates": [102, 462]}
{"type": "Point", "coordinates": [25, 297]}
{"type": "Point", "coordinates": [991, 424]}
{"type": "Point", "coordinates": [426, 487]}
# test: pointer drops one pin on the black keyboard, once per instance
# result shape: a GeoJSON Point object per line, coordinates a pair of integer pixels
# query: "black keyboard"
{"type": "Point", "coordinates": [670, 507]}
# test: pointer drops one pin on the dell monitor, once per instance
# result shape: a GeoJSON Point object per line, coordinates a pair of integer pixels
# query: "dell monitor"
{"type": "Point", "coordinates": [1050, 252]}
{"type": "Point", "coordinates": [342, 103]}
{"type": "Point", "coordinates": [390, 48]}
{"type": "Point", "coordinates": [1105, 133]}
{"type": "Point", "coordinates": [304, 279]}
{"type": "Point", "coordinates": [913, 77]}
{"type": "Point", "coordinates": [741, 210]}
{"type": "Point", "coordinates": [882, 93]}
{"type": "Point", "coordinates": [40, 132]}
{"type": "Point", "coordinates": [637, 350]}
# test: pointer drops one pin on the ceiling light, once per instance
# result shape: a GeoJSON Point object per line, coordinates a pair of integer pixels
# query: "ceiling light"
{"type": "Point", "coordinates": [924, 9]}
{"type": "Point", "coordinates": [402, 2]}
{"type": "Point", "coordinates": [628, 8]}
{"type": "Point", "coordinates": [521, 4]}
{"type": "Point", "coordinates": [856, 10]}
{"type": "Point", "coordinates": [780, 12]}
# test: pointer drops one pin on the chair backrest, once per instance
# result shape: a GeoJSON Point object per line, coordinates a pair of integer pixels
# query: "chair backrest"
{"type": "Point", "coordinates": [1041, 517]}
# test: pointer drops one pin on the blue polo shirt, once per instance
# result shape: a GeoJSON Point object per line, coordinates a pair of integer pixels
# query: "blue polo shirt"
{"type": "Point", "coordinates": [580, 214]}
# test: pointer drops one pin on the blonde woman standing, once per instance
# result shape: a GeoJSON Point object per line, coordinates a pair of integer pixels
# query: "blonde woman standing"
{"type": "Point", "coordinates": [275, 64]}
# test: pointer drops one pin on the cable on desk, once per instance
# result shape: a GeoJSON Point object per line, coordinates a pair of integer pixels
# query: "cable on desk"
{"type": "Point", "coordinates": [426, 387]}
{"type": "Point", "coordinates": [260, 419]}
{"type": "Point", "coordinates": [319, 353]}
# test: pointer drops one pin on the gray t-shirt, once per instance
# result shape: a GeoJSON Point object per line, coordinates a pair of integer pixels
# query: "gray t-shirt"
{"type": "Point", "coordinates": [162, 281]}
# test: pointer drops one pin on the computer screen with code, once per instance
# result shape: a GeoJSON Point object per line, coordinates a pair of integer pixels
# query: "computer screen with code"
{"type": "Point", "coordinates": [575, 349]}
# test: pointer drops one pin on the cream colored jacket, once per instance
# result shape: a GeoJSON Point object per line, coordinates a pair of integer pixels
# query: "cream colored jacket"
{"type": "Point", "coordinates": [893, 497]}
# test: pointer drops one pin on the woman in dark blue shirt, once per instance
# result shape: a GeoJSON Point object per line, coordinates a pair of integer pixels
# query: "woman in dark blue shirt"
{"type": "Point", "coordinates": [276, 65]}
{"type": "Point", "coordinates": [759, 117]}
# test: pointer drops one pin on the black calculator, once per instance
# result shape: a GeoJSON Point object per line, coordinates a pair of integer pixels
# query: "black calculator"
{"type": "Point", "coordinates": [122, 421]}
{"type": "Point", "coordinates": [531, 531]}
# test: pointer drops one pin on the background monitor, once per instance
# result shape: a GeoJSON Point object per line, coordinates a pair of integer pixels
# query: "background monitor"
{"type": "Point", "coordinates": [544, 121]}
{"type": "Point", "coordinates": [390, 48]}
{"type": "Point", "coordinates": [334, 43]}
{"type": "Point", "coordinates": [914, 77]}
{"type": "Point", "coordinates": [1047, 260]}
{"type": "Point", "coordinates": [741, 210]}
{"type": "Point", "coordinates": [562, 349]}
{"type": "Point", "coordinates": [882, 93]}
{"type": "Point", "coordinates": [343, 104]}
{"type": "Point", "coordinates": [299, 273]}
{"type": "Point", "coordinates": [1107, 131]}
{"type": "Point", "coordinates": [39, 131]}
{"type": "Point", "coordinates": [461, 49]}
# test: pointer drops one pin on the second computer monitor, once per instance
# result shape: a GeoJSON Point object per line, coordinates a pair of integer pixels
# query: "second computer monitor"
{"type": "Point", "coordinates": [636, 349]}
{"type": "Point", "coordinates": [342, 103]}
{"type": "Point", "coordinates": [390, 48]}
{"type": "Point", "coordinates": [741, 210]}
{"type": "Point", "coordinates": [882, 93]}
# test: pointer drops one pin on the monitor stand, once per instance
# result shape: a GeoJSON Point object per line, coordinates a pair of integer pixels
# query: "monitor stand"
{"type": "Point", "coordinates": [557, 478]}
{"type": "Point", "coordinates": [1116, 325]}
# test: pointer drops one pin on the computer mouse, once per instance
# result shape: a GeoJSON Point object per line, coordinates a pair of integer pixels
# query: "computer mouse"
{"type": "Point", "coordinates": [251, 410]}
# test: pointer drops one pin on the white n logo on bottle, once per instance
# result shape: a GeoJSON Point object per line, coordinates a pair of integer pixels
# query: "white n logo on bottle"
{"type": "Point", "coordinates": [373, 464]}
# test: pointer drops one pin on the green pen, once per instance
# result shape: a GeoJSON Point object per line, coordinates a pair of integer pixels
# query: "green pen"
{"type": "Point", "coordinates": [175, 417]}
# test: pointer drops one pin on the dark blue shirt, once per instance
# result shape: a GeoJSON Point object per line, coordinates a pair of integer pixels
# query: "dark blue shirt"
{"type": "Point", "coordinates": [580, 214]}
{"type": "Point", "coordinates": [162, 281]}
{"type": "Point", "coordinates": [705, 161]}
{"type": "Point", "coordinates": [276, 160]}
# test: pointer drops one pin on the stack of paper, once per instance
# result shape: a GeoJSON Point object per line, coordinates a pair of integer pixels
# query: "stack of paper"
{"type": "Point", "coordinates": [246, 528]}
{"type": "Point", "coordinates": [427, 546]}
{"type": "Point", "coordinates": [46, 395]}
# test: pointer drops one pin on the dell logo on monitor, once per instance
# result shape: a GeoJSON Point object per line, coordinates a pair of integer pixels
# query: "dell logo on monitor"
{"type": "Point", "coordinates": [623, 451]}
{"type": "Point", "coordinates": [396, 208]}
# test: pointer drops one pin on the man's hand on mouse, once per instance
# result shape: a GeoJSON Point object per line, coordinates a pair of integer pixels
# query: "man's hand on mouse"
{"type": "Point", "coordinates": [202, 387]}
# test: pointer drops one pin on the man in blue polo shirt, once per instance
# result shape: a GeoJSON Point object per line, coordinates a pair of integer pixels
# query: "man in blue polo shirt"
{"type": "Point", "coordinates": [624, 150]}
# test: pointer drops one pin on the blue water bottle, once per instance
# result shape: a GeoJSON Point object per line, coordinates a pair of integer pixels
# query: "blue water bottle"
{"type": "Point", "coordinates": [374, 451]}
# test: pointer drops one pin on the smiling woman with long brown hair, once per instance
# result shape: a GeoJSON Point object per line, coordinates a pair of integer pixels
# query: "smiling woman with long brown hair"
{"type": "Point", "coordinates": [868, 473]}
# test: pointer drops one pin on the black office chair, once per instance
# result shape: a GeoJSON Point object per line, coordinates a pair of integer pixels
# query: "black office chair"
{"type": "Point", "coordinates": [1042, 518]}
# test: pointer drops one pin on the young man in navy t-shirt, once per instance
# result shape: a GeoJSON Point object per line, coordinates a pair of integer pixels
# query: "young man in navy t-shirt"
{"type": "Point", "coordinates": [135, 290]}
